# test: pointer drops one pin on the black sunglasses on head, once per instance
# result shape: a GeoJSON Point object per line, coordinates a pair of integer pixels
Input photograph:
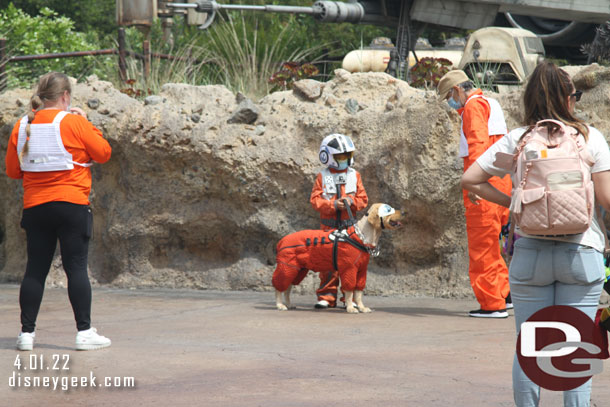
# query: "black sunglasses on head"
{"type": "Point", "coordinates": [577, 94]}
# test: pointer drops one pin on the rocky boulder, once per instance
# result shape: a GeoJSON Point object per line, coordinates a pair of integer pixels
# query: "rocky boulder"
{"type": "Point", "coordinates": [202, 203]}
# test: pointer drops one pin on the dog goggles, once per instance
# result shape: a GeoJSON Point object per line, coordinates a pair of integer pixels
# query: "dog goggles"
{"type": "Point", "coordinates": [385, 210]}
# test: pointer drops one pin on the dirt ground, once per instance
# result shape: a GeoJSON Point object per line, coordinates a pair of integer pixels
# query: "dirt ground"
{"type": "Point", "coordinates": [229, 349]}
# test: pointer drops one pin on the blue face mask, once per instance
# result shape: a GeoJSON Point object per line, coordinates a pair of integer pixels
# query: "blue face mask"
{"type": "Point", "coordinates": [454, 104]}
{"type": "Point", "coordinates": [342, 164]}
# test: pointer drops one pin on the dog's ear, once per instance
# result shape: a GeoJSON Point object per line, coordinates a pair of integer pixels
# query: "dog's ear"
{"type": "Point", "coordinates": [373, 216]}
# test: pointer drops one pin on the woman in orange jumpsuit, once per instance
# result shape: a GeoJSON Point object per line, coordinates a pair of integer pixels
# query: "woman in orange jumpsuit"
{"type": "Point", "coordinates": [482, 125]}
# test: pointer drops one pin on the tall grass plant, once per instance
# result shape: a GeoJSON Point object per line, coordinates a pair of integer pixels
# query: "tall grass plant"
{"type": "Point", "coordinates": [245, 62]}
{"type": "Point", "coordinates": [235, 52]}
{"type": "Point", "coordinates": [191, 64]}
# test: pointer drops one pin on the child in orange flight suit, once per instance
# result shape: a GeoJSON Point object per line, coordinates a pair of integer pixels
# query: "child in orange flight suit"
{"type": "Point", "coordinates": [336, 186]}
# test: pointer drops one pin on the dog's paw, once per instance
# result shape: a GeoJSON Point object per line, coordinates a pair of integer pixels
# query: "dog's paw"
{"type": "Point", "coordinates": [352, 310]}
{"type": "Point", "coordinates": [281, 307]}
{"type": "Point", "coordinates": [365, 309]}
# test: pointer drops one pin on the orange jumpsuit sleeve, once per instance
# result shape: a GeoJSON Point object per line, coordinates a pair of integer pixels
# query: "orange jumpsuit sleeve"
{"type": "Point", "coordinates": [474, 119]}
{"type": "Point", "coordinates": [13, 169]}
{"type": "Point", "coordinates": [95, 144]}
{"type": "Point", "coordinates": [360, 199]}
{"type": "Point", "coordinates": [326, 207]}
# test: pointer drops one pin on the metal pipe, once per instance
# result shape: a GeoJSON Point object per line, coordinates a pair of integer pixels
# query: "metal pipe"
{"type": "Point", "coordinates": [182, 5]}
{"type": "Point", "coordinates": [122, 55]}
{"type": "Point", "coordinates": [212, 5]}
{"type": "Point", "coordinates": [272, 9]}
{"type": "Point", "coordinates": [146, 52]}
{"type": "Point", "coordinates": [2, 64]}
{"type": "Point", "coordinates": [63, 55]}
{"type": "Point", "coordinates": [108, 51]}
{"type": "Point", "coordinates": [326, 11]}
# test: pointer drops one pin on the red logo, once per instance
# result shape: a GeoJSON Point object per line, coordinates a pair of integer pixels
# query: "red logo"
{"type": "Point", "coordinates": [559, 348]}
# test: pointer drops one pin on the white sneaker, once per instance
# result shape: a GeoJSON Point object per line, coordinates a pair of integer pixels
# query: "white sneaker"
{"type": "Point", "coordinates": [90, 340]}
{"type": "Point", "coordinates": [25, 340]}
{"type": "Point", "coordinates": [480, 313]}
{"type": "Point", "coordinates": [322, 304]}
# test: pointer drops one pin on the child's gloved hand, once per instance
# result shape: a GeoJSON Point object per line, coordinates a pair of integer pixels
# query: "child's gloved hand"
{"type": "Point", "coordinates": [343, 203]}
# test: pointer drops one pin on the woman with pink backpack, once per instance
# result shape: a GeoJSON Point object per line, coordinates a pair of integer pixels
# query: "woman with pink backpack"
{"type": "Point", "coordinates": [560, 167]}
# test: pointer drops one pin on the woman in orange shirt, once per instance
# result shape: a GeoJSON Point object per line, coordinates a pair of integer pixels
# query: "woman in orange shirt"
{"type": "Point", "coordinates": [51, 150]}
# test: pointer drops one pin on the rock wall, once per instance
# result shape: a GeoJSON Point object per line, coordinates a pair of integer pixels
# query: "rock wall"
{"type": "Point", "coordinates": [203, 183]}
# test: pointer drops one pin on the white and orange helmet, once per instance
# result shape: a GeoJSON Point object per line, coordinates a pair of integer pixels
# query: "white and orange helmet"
{"type": "Point", "coordinates": [335, 144]}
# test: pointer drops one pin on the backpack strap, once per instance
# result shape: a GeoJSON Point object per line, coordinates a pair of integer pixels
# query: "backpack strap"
{"type": "Point", "coordinates": [515, 203]}
{"type": "Point", "coordinates": [523, 142]}
{"type": "Point", "coordinates": [586, 157]}
{"type": "Point", "coordinates": [583, 152]}
{"type": "Point", "coordinates": [581, 145]}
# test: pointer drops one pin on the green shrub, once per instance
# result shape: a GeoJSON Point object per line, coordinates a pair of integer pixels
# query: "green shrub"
{"type": "Point", "coordinates": [90, 15]}
{"type": "Point", "coordinates": [246, 58]}
{"type": "Point", "coordinates": [47, 33]}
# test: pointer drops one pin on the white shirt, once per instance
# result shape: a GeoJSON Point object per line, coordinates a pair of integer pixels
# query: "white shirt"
{"type": "Point", "coordinates": [598, 148]}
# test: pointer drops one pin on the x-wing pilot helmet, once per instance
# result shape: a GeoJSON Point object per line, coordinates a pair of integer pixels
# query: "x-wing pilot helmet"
{"type": "Point", "coordinates": [337, 151]}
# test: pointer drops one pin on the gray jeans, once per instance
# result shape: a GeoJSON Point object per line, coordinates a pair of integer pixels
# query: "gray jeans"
{"type": "Point", "coordinates": [544, 273]}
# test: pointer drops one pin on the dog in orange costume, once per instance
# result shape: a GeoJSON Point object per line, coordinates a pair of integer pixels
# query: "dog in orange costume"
{"type": "Point", "coordinates": [347, 251]}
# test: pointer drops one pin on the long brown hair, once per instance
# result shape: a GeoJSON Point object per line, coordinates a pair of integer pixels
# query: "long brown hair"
{"type": "Point", "coordinates": [546, 97]}
{"type": "Point", "coordinates": [50, 87]}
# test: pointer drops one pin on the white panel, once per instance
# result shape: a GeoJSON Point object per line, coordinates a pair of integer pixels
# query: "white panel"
{"type": "Point", "coordinates": [452, 13]}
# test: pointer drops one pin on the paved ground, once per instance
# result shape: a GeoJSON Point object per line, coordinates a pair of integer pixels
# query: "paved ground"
{"type": "Point", "coordinates": [229, 349]}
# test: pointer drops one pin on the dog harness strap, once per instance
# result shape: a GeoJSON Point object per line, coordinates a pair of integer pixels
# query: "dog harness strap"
{"type": "Point", "coordinates": [342, 224]}
{"type": "Point", "coordinates": [356, 244]}
{"type": "Point", "coordinates": [351, 219]}
{"type": "Point", "coordinates": [335, 247]}
{"type": "Point", "coordinates": [338, 221]}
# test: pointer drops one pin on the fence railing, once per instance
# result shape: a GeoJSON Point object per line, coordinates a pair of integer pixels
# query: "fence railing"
{"type": "Point", "coordinates": [122, 52]}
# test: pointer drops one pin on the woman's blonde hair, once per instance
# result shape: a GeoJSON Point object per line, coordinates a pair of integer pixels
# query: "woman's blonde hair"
{"type": "Point", "coordinates": [546, 97]}
{"type": "Point", "coordinates": [50, 87]}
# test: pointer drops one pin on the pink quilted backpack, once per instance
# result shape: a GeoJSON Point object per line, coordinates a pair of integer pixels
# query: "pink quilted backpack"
{"type": "Point", "coordinates": [552, 187]}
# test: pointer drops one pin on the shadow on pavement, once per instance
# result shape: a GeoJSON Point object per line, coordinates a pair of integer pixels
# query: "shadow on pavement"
{"type": "Point", "coordinates": [422, 311]}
